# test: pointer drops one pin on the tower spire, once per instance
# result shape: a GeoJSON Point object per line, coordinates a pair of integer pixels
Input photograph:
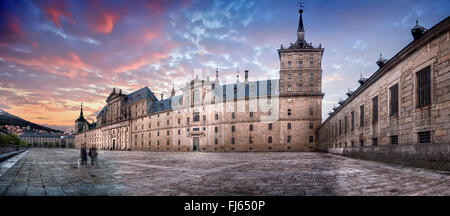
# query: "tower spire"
{"type": "Point", "coordinates": [81, 112]}
{"type": "Point", "coordinates": [301, 42]}
{"type": "Point", "coordinates": [172, 93]}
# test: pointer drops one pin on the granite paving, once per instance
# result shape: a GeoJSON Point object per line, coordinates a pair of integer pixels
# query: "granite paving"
{"type": "Point", "coordinates": [55, 172]}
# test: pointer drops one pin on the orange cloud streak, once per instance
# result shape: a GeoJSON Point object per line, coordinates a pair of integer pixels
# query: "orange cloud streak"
{"type": "Point", "coordinates": [104, 23]}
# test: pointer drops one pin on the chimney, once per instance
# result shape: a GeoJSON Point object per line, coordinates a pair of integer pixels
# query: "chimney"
{"type": "Point", "coordinates": [162, 96]}
{"type": "Point", "coordinates": [246, 75]}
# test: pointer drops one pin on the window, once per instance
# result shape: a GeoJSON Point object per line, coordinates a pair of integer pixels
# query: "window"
{"type": "Point", "coordinates": [361, 115]}
{"type": "Point", "coordinates": [311, 111]}
{"type": "Point", "coordinates": [269, 139]}
{"type": "Point", "coordinates": [311, 139]}
{"type": "Point", "coordinates": [233, 128]}
{"type": "Point", "coordinates": [179, 131]}
{"type": "Point", "coordinates": [311, 63]}
{"type": "Point", "coordinates": [232, 140]}
{"type": "Point", "coordinates": [289, 126]}
{"type": "Point", "coordinates": [250, 127]}
{"type": "Point", "coordinates": [158, 133]}
{"type": "Point", "coordinates": [187, 120]}
{"type": "Point", "coordinates": [424, 137]}
{"type": "Point", "coordinates": [300, 63]}
{"type": "Point", "coordinates": [353, 121]}
{"type": "Point", "coordinates": [311, 76]}
{"type": "Point", "coordinates": [424, 87]}
{"type": "Point", "coordinates": [374, 141]}
{"type": "Point", "coordinates": [311, 126]}
{"type": "Point", "coordinates": [196, 117]}
{"type": "Point", "coordinates": [289, 139]}
{"type": "Point", "coordinates": [250, 140]}
{"type": "Point", "coordinates": [204, 117]}
{"type": "Point", "coordinates": [361, 143]}
{"type": "Point", "coordinates": [251, 114]}
{"type": "Point", "coordinates": [233, 115]}
{"type": "Point", "coordinates": [394, 140]}
{"type": "Point", "coordinates": [394, 100]}
{"type": "Point", "coordinates": [289, 64]}
{"type": "Point", "coordinates": [345, 124]}
{"type": "Point", "coordinates": [300, 75]}
{"type": "Point", "coordinates": [167, 122]}
{"type": "Point", "coordinates": [270, 126]}
{"type": "Point", "coordinates": [179, 142]}
{"type": "Point", "coordinates": [216, 129]}
{"type": "Point", "coordinates": [311, 87]}
{"type": "Point", "coordinates": [299, 87]}
{"type": "Point", "coordinates": [216, 141]}
{"type": "Point", "coordinates": [353, 143]}
{"type": "Point", "coordinates": [289, 88]}
{"type": "Point", "coordinates": [289, 76]}
{"type": "Point", "coordinates": [179, 121]}
{"type": "Point", "coordinates": [340, 128]}
{"type": "Point", "coordinates": [289, 112]}
{"type": "Point", "coordinates": [217, 117]}
{"type": "Point", "coordinates": [375, 109]}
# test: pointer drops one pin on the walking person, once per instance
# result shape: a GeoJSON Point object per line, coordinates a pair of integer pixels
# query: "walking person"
{"type": "Point", "coordinates": [93, 155]}
{"type": "Point", "coordinates": [83, 155]}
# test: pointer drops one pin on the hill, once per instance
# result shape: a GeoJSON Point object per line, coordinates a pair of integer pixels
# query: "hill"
{"type": "Point", "coordinates": [8, 119]}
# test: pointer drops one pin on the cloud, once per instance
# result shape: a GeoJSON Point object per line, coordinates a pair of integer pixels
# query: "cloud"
{"type": "Point", "coordinates": [55, 10]}
{"type": "Point", "coordinates": [359, 44]}
{"type": "Point", "coordinates": [103, 22]}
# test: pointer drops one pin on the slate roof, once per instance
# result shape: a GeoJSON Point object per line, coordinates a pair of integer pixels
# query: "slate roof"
{"type": "Point", "coordinates": [139, 95]}
{"type": "Point", "coordinates": [253, 88]}
{"type": "Point", "coordinates": [35, 135]}
{"type": "Point", "coordinates": [158, 106]}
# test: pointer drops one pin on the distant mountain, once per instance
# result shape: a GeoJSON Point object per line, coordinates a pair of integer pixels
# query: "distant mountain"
{"type": "Point", "coordinates": [8, 119]}
{"type": "Point", "coordinates": [63, 128]}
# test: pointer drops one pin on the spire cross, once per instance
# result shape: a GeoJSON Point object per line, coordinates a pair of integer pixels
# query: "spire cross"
{"type": "Point", "coordinates": [301, 4]}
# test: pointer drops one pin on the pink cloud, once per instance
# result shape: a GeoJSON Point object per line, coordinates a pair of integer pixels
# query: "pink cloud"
{"type": "Point", "coordinates": [55, 10]}
{"type": "Point", "coordinates": [103, 22]}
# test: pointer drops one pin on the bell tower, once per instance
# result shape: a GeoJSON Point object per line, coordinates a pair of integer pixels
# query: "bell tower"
{"type": "Point", "coordinates": [300, 91]}
{"type": "Point", "coordinates": [300, 65]}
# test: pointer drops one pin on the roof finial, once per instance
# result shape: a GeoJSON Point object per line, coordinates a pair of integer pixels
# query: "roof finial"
{"type": "Point", "coordinates": [417, 21]}
{"type": "Point", "coordinates": [172, 93]}
{"type": "Point", "coordinates": [217, 72]}
{"type": "Point", "coordinates": [301, 5]}
{"type": "Point", "coordinates": [81, 112]}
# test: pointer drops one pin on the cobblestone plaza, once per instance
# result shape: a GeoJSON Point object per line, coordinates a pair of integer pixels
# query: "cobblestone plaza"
{"type": "Point", "coordinates": [52, 172]}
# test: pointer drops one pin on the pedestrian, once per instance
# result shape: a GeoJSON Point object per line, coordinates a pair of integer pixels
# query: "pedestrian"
{"type": "Point", "coordinates": [93, 155]}
{"type": "Point", "coordinates": [83, 155]}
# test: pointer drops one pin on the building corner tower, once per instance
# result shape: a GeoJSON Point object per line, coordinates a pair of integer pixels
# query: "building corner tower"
{"type": "Point", "coordinates": [300, 92]}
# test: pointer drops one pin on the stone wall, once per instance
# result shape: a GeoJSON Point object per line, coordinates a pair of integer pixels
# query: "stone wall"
{"type": "Point", "coordinates": [431, 156]}
{"type": "Point", "coordinates": [373, 139]}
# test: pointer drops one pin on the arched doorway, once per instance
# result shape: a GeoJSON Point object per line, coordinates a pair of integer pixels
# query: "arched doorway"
{"type": "Point", "coordinates": [195, 144]}
{"type": "Point", "coordinates": [113, 144]}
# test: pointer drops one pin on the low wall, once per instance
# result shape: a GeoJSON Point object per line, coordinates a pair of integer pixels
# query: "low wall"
{"type": "Point", "coordinates": [10, 148]}
{"type": "Point", "coordinates": [430, 156]}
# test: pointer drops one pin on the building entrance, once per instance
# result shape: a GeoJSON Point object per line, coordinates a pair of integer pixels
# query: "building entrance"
{"type": "Point", "coordinates": [196, 144]}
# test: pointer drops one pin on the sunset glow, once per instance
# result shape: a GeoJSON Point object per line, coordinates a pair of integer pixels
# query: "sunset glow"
{"type": "Point", "coordinates": [56, 54]}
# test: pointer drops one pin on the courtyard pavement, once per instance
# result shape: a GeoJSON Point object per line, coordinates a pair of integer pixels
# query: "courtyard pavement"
{"type": "Point", "coordinates": [52, 172]}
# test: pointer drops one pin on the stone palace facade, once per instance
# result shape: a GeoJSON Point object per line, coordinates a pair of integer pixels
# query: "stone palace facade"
{"type": "Point", "coordinates": [401, 113]}
{"type": "Point", "coordinates": [265, 115]}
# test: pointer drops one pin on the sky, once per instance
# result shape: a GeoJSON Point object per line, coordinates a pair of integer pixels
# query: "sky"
{"type": "Point", "coordinates": [55, 54]}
